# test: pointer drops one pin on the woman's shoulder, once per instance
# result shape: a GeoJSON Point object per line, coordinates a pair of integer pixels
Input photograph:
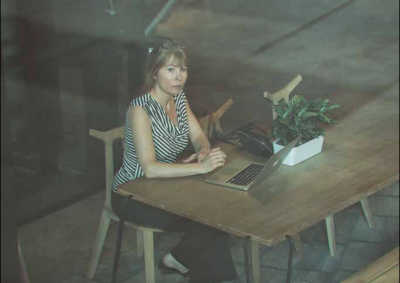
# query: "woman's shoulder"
{"type": "Point", "coordinates": [139, 106]}
{"type": "Point", "coordinates": [139, 109]}
{"type": "Point", "coordinates": [141, 101]}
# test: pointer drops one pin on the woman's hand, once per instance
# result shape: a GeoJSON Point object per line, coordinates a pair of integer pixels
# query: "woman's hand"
{"type": "Point", "coordinates": [199, 156]}
{"type": "Point", "coordinates": [212, 161]}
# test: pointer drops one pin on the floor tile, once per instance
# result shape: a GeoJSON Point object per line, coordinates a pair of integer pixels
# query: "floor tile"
{"type": "Point", "coordinates": [305, 276]}
{"type": "Point", "coordinates": [386, 206]}
{"type": "Point", "coordinates": [340, 276]}
{"type": "Point", "coordinates": [392, 190]}
{"type": "Point", "coordinates": [78, 279]}
{"type": "Point", "coordinates": [317, 257]}
{"type": "Point", "coordinates": [130, 266]}
{"type": "Point", "coordinates": [160, 278]}
{"type": "Point", "coordinates": [277, 257]}
{"type": "Point", "coordinates": [387, 230]}
{"type": "Point", "coordinates": [269, 275]}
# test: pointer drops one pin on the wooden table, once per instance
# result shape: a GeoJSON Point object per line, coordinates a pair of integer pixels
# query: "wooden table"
{"type": "Point", "coordinates": [360, 158]}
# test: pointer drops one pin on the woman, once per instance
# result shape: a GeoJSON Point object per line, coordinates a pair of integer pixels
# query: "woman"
{"type": "Point", "coordinates": [159, 125]}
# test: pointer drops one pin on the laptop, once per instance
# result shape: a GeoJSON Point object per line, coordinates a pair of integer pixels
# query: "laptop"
{"type": "Point", "coordinates": [245, 175]}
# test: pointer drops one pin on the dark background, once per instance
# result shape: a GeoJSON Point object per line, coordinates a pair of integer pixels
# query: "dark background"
{"type": "Point", "coordinates": [67, 67]}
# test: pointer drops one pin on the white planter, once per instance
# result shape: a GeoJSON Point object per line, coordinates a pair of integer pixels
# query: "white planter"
{"type": "Point", "coordinates": [302, 152]}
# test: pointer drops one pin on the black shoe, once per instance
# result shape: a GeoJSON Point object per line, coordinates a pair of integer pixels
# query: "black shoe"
{"type": "Point", "coordinates": [169, 270]}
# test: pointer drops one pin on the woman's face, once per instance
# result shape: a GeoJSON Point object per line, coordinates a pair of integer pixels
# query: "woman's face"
{"type": "Point", "coordinates": [172, 77]}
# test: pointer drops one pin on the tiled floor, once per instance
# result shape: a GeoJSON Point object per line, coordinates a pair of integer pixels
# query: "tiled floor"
{"type": "Point", "coordinates": [240, 50]}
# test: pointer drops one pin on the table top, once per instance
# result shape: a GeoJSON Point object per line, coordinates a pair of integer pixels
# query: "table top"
{"type": "Point", "coordinates": [360, 157]}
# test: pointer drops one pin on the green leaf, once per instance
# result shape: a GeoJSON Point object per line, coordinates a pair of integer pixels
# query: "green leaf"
{"type": "Point", "coordinates": [325, 119]}
{"type": "Point", "coordinates": [332, 107]}
{"type": "Point", "coordinates": [295, 102]}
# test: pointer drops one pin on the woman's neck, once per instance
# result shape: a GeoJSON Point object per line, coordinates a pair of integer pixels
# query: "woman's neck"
{"type": "Point", "coordinates": [162, 98]}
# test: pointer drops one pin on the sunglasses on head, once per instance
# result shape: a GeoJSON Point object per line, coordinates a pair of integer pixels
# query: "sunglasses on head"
{"type": "Point", "coordinates": [165, 45]}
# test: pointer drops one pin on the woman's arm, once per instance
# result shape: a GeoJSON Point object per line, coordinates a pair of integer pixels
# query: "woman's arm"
{"type": "Point", "coordinates": [197, 137]}
{"type": "Point", "coordinates": [143, 138]}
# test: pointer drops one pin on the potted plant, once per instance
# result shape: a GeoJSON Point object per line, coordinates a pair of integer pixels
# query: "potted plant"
{"type": "Point", "coordinates": [300, 118]}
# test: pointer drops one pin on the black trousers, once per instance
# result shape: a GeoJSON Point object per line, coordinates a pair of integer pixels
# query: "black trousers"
{"type": "Point", "coordinates": [203, 249]}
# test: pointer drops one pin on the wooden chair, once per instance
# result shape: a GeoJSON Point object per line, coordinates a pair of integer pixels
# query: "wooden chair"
{"type": "Point", "coordinates": [211, 124]}
{"type": "Point", "coordinates": [145, 235]}
{"type": "Point", "coordinates": [384, 270]}
{"type": "Point", "coordinates": [330, 220]}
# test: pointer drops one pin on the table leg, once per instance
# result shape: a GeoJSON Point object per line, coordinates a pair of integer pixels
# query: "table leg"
{"type": "Point", "coordinates": [255, 258]}
{"type": "Point", "coordinates": [368, 213]}
{"type": "Point", "coordinates": [298, 246]}
{"type": "Point", "coordinates": [330, 225]}
{"type": "Point", "coordinates": [247, 259]}
{"type": "Point", "coordinates": [119, 241]}
{"type": "Point", "coordinates": [291, 253]}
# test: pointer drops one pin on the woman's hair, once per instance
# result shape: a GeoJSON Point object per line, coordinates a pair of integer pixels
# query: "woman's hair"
{"type": "Point", "coordinates": [159, 56]}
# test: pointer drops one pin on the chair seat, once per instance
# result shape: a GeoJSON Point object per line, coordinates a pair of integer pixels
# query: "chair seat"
{"type": "Point", "coordinates": [114, 217]}
{"type": "Point", "coordinates": [143, 228]}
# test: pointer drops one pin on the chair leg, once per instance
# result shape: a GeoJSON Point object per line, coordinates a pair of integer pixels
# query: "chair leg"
{"type": "Point", "coordinates": [255, 253]}
{"type": "Point", "coordinates": [330, 224]}
{"type": "Point", "coordinates": [117, 255]}
{"type": "Point", "coordinates": [298, 246]}
{"type": "Point", "coordinates": [139, 243]}
{"type": "Point", "coordinates": [148, 238]}
{"type": "Point", "coordinates": [22, 266]}
{"type": "Point", "coordinates": [368, 213]}
{"type": "Point", "coordinates": [98, 245]}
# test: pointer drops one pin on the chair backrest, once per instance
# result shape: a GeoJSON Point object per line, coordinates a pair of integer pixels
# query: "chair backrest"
{"type": "Point", "coordinates": [108, 138]}
{"type": "Point", "coordinates": [283, 93]}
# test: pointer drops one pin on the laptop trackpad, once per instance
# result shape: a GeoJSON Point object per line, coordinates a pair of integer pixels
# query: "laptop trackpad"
{"type": "Point", "coordinates": [228, 171]}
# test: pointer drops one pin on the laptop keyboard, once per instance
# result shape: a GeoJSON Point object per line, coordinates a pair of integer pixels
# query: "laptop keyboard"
{"type": "Point", "coordinates": [246, 176]}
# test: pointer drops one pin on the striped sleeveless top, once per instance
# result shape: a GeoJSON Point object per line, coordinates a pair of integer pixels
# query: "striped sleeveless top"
{"type": "Point", "coordinates": [169, 139]}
